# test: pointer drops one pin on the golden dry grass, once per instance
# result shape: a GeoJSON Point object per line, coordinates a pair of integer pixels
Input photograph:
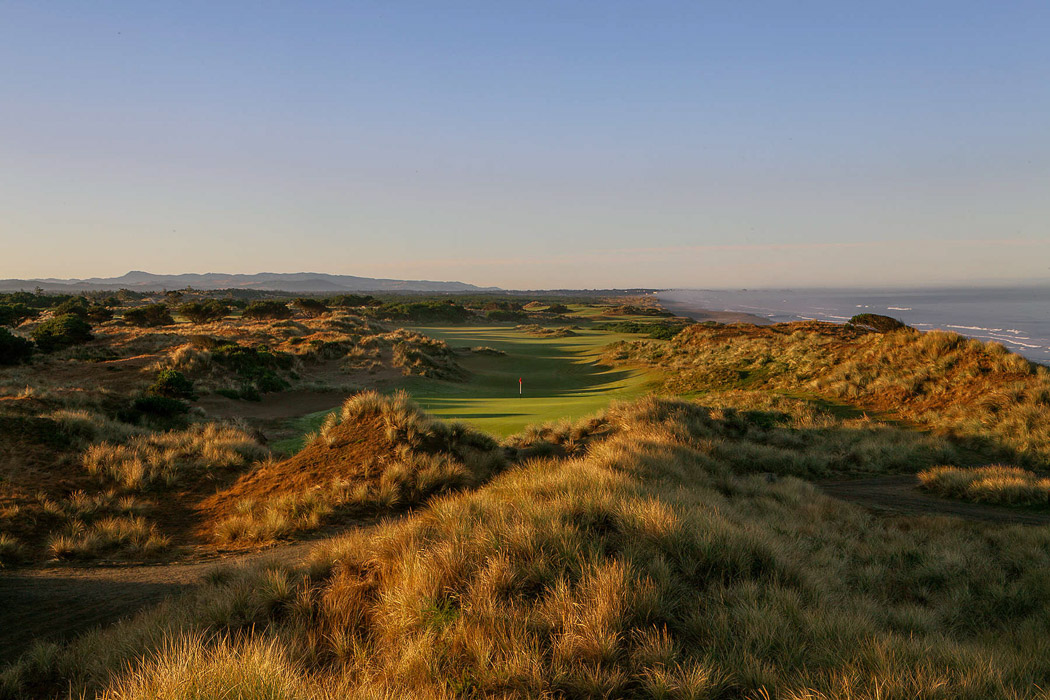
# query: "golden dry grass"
{"type": "Point", "coordinates": [653, 564]}
{"type": "Point", "coordinates": [937, 380]}
{"type": "Point", "coordinates": [168, 458]}
{"type": "Point", "coordinates": [992, 484]}
{"type": "Point", "coordinates": [377, 454]}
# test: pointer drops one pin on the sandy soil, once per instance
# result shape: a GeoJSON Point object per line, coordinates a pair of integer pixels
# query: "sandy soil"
{"type": "Point", "coordinates": [700, 315]}
{"type": "Point", "coordinates": [57, 602]}
{"type": "Point", "coordinates": [900, 495]}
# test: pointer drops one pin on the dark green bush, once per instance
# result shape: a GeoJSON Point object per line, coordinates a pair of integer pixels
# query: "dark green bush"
{"type": "Point", "coordinates": [13, 314]}
{"type": "Point", "coordinates": [310, 307]}
{"type": "Point", "coordinates": [558, 309]}
{"type": "Point", "coordinates": [502, 306]}
{"type": "Point", "coordinates": [658, 331]}
{"type": "Point", "coordinates": [353, 300]}
{"type": "Point", "coordinates": [501, 315]}
{"type": "Point", "coordinates": [97, 313]}
{"type": "Point", "coordinates": [876, 322]}
{"type": "Point", "coordinates": [267, 310]}
{"type": "Point", "coordinates": [171, 384]}
{"type": "Point", "coordinates": [149, 316]}
{"type": "Point", "coordinates": [422, 311]}
{"type": "Point", "coordinates": [256, 367]}
{"type": "Point", "coordinates": [61, 332]}
{"type": "Point", "coordinates": [204, 311]}
{"type": "Point", "coordinates": [13, 349]}
{"type": "Point", "coordinates": [158, 407]}
{"type": "Point", "coordinates": [78, 306]}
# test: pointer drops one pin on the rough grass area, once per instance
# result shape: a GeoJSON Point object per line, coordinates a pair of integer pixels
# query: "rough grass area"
{"type": "Point", "coordinates": [998, 400]}
{"type": "Point", "coordinates": [653, 563]}
{"type": "Point", "coordinates": [994, 484]}
{"type": "Point", "coordinates": [168, 458]}
{"type": "Point", "coordinates": [129, 536]}
{"type": "Point", "coordinates": [378, 453]}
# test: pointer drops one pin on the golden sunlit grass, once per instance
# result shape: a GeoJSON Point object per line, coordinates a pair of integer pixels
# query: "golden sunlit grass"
{"type": "Point", "coordinates": [128, 536]}
{"type": "Point", "coordinates": [937, 380]}
{"type": "Point", "coordinates": [658, 562]}
{"type": "Point", "coordinates": [994, 484]}
{"type": "Point", "coordinates": [407, 458]}
{"type": "Point", "coordinates": [166, 458]}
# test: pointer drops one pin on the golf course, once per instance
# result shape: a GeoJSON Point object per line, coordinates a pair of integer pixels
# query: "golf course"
{"type": "Point", "coordinates": [561, 378]}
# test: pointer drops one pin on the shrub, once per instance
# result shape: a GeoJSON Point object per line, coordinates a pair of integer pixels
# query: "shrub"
{"type": "Point", "coordinates": [424, 311]}
{"type": "Point", "coordinates": [353, 300]}
{"type": "Point", "coordinates": [13, 349]}
{"type": "Point", "coordinates": [172, 384]}
{"type": "Point", "coordinates": [267, 310]}
{"type": "Point", "coordinates": [501, 315]}
{"type": "Point", "coordinates": [657, 331]}
{"type": "Point", "coordinates": [62, 332]}
{"type": "Point", "coordinates": [876, 322]}
{"type": "Point", "coordinates": [310, 307]}
{"type": "Point", "coordinates": [149, 316]}
{"type": "Point", "coordinates": [78, 306]}
{"type": "Point", "coordinates": [204, 311]}
{"type": "Point", "coordinates": [256, 367]}
{"type": "Point", "coordinates": [13, 314]}
{"type": "Point", "coordinates": [558, 309]}
{"type": "Point", "coordinates": [158, 407]}
{"type": "Point", "coordinates": [97, 313]}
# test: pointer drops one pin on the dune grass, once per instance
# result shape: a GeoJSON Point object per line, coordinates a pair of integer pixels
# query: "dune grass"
{"type": "Point", "coordinates": [167, 458]}
{"type": "Point", "coordinates": [994, 399]}
{"type": "Point", "coordinates": [992, 484]}
{"type": "Point", "coordinates": [657, 562]}
{"type": "Point", "coordinates": [414, 459]}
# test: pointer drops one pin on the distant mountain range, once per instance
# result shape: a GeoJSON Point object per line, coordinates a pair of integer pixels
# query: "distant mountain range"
{"type": "Point", "coordinates": [267, 281]}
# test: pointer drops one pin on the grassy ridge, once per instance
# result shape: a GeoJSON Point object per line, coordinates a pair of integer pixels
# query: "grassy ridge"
{"type": "Point", "coordinates": [937, 380]}
{"type": "Point", "coordinates": [657, 564]}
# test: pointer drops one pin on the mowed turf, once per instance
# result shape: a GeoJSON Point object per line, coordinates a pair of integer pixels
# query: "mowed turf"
{"type": "Point", "coordinates": [561, 378]}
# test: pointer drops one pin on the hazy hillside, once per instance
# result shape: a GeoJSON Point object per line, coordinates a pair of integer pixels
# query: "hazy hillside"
{"type": "Point", "coordinates": [275, 281]}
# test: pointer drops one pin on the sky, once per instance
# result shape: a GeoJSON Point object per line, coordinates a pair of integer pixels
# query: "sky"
{"type": "Point", "coordinates": [529, 145]}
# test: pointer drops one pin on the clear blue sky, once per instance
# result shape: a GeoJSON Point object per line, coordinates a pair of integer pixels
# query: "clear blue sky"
{"type": "Point", "coordinates": [532, 144]}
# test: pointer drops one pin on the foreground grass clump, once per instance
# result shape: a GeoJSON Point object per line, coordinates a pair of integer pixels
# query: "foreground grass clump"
{"type": "Point", "coordinates": [128, 536]}
{"type": "Point", "coordinates": [188, 668]}
{"type": "Point", "coordinates": [994, 484]}
{"type": "Point", "coordinates": [172, 457]}
{"type": "Point", "coordinates": [378, 453]}
{"type": "Point", "coordinates": [648, 566]}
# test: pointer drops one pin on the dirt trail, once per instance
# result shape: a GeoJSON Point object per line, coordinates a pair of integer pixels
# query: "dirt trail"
{"type": "Point", "coordinates": [900, 495]}
{"type": "Point", "coordinates": [57, 602]}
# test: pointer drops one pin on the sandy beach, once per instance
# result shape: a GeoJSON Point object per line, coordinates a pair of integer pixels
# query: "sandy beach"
{"type": "Point", "coordinates": [699, 314]}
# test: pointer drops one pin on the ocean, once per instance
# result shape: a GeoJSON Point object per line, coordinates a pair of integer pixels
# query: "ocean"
{"type": "Point", "coordinates": [1017, 317]}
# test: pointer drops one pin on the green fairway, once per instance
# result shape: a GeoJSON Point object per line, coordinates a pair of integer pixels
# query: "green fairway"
{"type": "Point", "coordinates": [561, 378]}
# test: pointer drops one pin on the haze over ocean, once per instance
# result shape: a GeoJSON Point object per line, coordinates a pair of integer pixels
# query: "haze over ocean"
{"type": "Point", "coordinates": [1017, 317]}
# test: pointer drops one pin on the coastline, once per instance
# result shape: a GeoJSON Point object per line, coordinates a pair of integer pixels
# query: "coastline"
{"type": "Point", "coordinates": [699, 314]}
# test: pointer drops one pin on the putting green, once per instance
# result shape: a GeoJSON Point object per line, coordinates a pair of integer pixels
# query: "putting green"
{"type": "Point", "coordinates": [561, 378]}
